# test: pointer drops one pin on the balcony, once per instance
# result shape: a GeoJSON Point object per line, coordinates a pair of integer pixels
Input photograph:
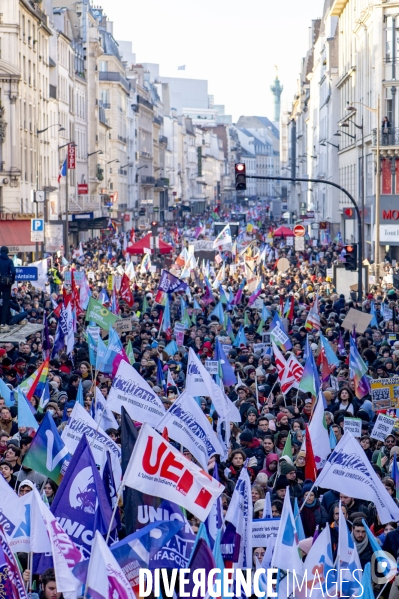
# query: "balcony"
{"type": "Point", "coordinates": [147, 180]}
{"type": "Point", "coordinates": [144, 102]}
{"type": "Point", "coordinates": [122, 139]}
{"type": "Point", "coordinates": [391, 138]}
{"type": "Point", "coordinates": [106, 105]}
{"type": "Point", "coordinates": [162, 182]}
{"type": "Point", "coordinates": [101, 116]}
{"type": "Point", "coordinates": [114, 77]}
{"type": "Point", "coordinates": [163, 140]}
{"type": "Point", "coordinates": [145, 154]}
{"type": "Point", "coordinates": [158, 120]}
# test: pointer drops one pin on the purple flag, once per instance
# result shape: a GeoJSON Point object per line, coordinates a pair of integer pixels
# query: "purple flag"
{"type": "Point", "coordinates": [202, 558]}
{"type": "Point", "coordinates": [169, 283]}
{"type": "Point", "coordinates": [9, 572]}
{"type": "Point", "coordinates": [81, 503]}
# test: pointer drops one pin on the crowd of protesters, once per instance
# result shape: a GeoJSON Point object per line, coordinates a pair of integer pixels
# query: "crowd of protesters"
{"type": "Point", "coordinates": [268, 417]}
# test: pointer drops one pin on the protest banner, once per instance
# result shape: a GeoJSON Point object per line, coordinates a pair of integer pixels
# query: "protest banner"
{"type": "Point", "coordinates": [81, 423]}
{"type": "Point", "coordinates": [354, 426]}
{"type": "Point", "coordinates": [97, 313]}
{"type": "Point", "coordinates": [157, 468]}
{"type": "Point", "coordinates": [259, 348]}
{"type": "Point", "coordinates": [130, 390]}
{"type": "Point", "coordinates": [382, 427]}
{"type": "Point", "coordinates": [122, 325]}
{"type": "Point", "coordinates": [385, 393]}
{"type": "Point", "coordinates": [348, 470]}
{"type": "Point", "coordinates": [264, 532]}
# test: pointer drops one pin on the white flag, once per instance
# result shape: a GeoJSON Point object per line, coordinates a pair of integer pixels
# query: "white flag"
{"type": "Point", "coordinates": [281, 362]}
{"type": "Point", "coordinates": [70, 337]}
{"type": "Point", "coordinates": [105, 577]}
{"type": "Point", "coordinates": [318, 562]}
{"type": "Point", "coordinates": [10, 512]}
{"type": "Point", "coordinates": [81, 423]}
{"type": "Point", "coordinates": [64, 552]}
{"type": "Point", "coordinates": [319, 434]}
{"type": "Point", "coordinates": [187, 424]}
{"type": "Point", "coordinates": [239, 514]}
{"type": "Point", "coordinates": [130, 390]}
{"type": "Point", "coordinates": [20, 538]}
{"type": "Point", "coordinates": [349, 471]}
{"type": "Point", "coordinates": [224, 237]}
{"type": "Point", "coordinates": [286, 551]}
{"type": "Point", "coordinates": [292, 374]}
{"type": "Point", "coordinates": [349, 568]}
{"type": "Point", "coordinates": [104, 415]}
{"type": "Point", "coordinates": [84, 293]}
{"type": "Point", "coordinates": [157, 468]}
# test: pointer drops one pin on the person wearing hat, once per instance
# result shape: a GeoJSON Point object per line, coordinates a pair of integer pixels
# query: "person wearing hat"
{"type": "Point", "coordinates": [313, 513]}
{"type": "Point", "coordinates": [251, 422]}
{"type": "Point", "coordinates": [25, 486]}
{"type": "Point", "coordinates": [253, 449]}
{"type": "Point", "coordinates": [7, 278]}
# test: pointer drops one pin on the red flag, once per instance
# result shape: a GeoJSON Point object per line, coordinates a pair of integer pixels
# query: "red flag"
{"type": "Point", "coordinates": [132, 236]}
{"type": "Point", "coordinates": [58, 310]}
{"type": "Point", "coordinates": [291, 312]}
{"type": "Point", "coordinates": [310, 464]}
{"type": "Point", "coordinates": [125, 292]}
{"type": "Point", "coordinates": [75, 295]}
{"type": "Point", "coordinates": [67, 297]}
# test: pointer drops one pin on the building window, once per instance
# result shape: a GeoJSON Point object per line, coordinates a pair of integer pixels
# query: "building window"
{"type": "Point", "coordinates": [103, 66]}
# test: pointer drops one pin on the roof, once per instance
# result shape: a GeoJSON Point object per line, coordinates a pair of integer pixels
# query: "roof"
{"type": "Point", "coordinates": [257, 122]}
{"type": "Point", "coordinates": [145, 243]}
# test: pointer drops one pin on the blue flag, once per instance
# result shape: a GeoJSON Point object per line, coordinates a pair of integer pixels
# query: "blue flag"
{"type": "Point", "coordinates": [227, 372]}
{"type": "Point", "coordinates": [6, 394]}
{"type": "Point", "coordinates": [92, 349]}
{"type": "Point", "coordinates": [136, 550]}
{"type": "Point", "coordinates": [25, 415]}
{"type": "Point", "coordinates": [80, 504]}
{"type": "Point", "coordinates": [114, 348]}
{"type": "Point", "coordinates": [79, 394]}
{"type": "Point", "coordinates": [101, 355]}
{"type": "Point", "coordinates": [241, 338]}
{"type": "Point", "coordinates": [218, 312]}
{"type": "Point", "coordinates": [171, 348]}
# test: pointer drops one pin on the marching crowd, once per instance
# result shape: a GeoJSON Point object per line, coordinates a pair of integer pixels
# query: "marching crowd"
{"type": "Point", "coordinates": [218, 309]}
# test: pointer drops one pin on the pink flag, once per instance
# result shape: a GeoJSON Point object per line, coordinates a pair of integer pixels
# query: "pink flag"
{"type": "Point", "coordinates": [105, 578]}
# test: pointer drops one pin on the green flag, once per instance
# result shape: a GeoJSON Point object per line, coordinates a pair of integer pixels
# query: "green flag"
{"type": "Point", "coordinates": [259, 330]}
{"type": "Point", "coordinates": [97, 313]}
{"type": "Point", "coordinates": [288, 447]}
{"type": "Point", "coordinates": [379, 459]}
{"type": "Point", "coordinates": [246, 320]}
{"type": "Point", "coordinates": [130, 352]}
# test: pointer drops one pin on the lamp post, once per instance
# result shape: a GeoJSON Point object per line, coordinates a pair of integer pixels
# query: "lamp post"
{"type": "Point", "coordinates": [377, 182]}
{"type": "Point", "coordinates": [72, 143]}
{"type": "Point", "coordinates": [38, 132]}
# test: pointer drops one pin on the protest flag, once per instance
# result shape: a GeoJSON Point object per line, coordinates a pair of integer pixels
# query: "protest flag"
{"type": "Point", "coordinates": [240, 338]}
{"type": "Point", "coordinates": [187, 485]}
{"type": "Point", "coordinates": [79, 394]}
{"type": "Point", "coordinates": [12, 583]}
{"type": "Point", "coordinates": [310, 464]}
{"type": "Point", "coordinates": [125, 293]}
{"type": "Point", "coordinates": [319, 434]}
{"type": "Point", "coordinates": [298, 521]}
{"type": "Point", "coordinates": [45, 398]}
{"type": "Point", "coordinates": [25, 415]}
{"type": "Point", "coordinates": [236, 541]}
{"type": "Point", "coordinates": [92, 343]}
{"type": "Point", "coordinates": [319, 561]}
{"type": "Point", "coordinates": [348, 560]}
{"type": "Point", "coordinates": [287, 450]}
{"type": "Point", "coordinates": [227, 371]}
{"type": "Point", "coordinates": [6, 393]}
{"type": "Point", "coordinates": [395, 475]}
{"type": "Point", "coordinates": [287, 550]}
{"type": "Point", "coordinates": [278, 333]}
{"type": "Point", "coordinates": [130, 353]}
{"type": "Point", "coordinates": [97, 313]}
{"type": "Point", "coordinates": [81, 498]}
{"type": "Point", "coordinates": [133, 499]}
{"type": "Point", "coordinates": [387, 566]}
{"type": "Point", "coordinates": [280, 361]}
{"type": "Point", "coordinates": [358, 371]}
{"type": "Point", "coordinates": [355, 477]}
{"type": "Point", "coordinates": [105, 577]}
{"type": "Point", "coordinates": [47, 453]}
{"type": "Point", "coordinates": [310, 381]}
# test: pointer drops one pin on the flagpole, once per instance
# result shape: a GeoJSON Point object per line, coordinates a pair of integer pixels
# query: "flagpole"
{"type": "Point", "coordinates": [30, 570]}
{"type": "Point", "coordinates": [120, 489]}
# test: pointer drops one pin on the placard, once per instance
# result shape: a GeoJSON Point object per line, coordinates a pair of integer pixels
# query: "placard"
{"type": "Point", "coordinates": [227, 348]}
{"type": "Point", "coordinates": [264, 532]}
{"type": "Point", "coordinates": [385, 393]}
{"type": "Point", "coordinates": [266, 336]}
{"type": "Point", "coordinates": [110, 283]}
{"type": "Point", "coordinates": [122, 325]}
{"type": "Point", "coordinates": [259, 348]}
{"type": "Point", "coordinates": [153, 268]}
{"type": "Point", "coordinates": [299, 244]}
{"type": "Point", "coordinates": [354, 426]}
{"type": "Point", "coordinates": [212, 366]}
{"type": "Point", "coordinates": [357, 319]}
{"type": "Point", "coordinates": [289, 241]}
{"type": "Point", "coordinates": [383, 427]}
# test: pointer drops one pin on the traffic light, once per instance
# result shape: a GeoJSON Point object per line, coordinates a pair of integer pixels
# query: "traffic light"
{"type": "Point", "coordinates": [349, 213]}
{"type": "Point", "coordinates": [351, 256]}
{"type": "Point", "coordinates": [241, 176]}
{"type": "Point", "coordinates": [154, 228]}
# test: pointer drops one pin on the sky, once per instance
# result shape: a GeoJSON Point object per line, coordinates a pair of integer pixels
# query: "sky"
{"type": "Point", "coordinates": [234, 44]}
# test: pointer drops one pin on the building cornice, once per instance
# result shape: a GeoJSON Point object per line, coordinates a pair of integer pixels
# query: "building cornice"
{"type": "Point", "coordinates": [338, 7]}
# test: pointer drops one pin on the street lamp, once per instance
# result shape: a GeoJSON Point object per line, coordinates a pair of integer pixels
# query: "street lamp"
{"type": "Point", "coordinates": [70, 143]}
{"type": "Point", "coordinates": [38, 132]}
{"type": "Point", "coordinates": [339, 133]}
{"type": "Point", "coordinates": [377, 183]}
{"type": "Point", "coordinates": [96, 152]}
{"type": "Point", "coordinates": [111, 161]}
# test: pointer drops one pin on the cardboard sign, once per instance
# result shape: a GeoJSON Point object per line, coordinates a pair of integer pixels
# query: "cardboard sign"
{"type": "Point", "coordinates": [354, 426]}
{"type": "Point", "coordinates": [212, 366]}
{"type": "Point", "coordinates": [357, 319]}
{"type": "Point", "coordinates": [110, 283]}
{"type": "Point", "coordinates": [122, 325]}
{"type": "Point", "coordinates": [382, 428]}
{"type": "Point", "coordinates": [153, 268]}
{"type": "Point", "coordinates": [227, 348]}
{"type": "Point", "coordinates": [385, 393]}
{"type": "Point", "coordinates": [266, 337]}
{"type": "Point", "coordinates": [299, 244]}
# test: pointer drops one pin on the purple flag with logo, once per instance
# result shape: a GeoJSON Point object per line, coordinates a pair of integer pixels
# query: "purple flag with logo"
{"type": "Point", "coordinates": [10, 575]}
{"type": "Point", "coordinates": [169, 283]}
{"type": "Point", "coordinates": [81, 504]}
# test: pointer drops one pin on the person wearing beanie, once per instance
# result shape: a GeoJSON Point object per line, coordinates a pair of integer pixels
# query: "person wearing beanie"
{"type": "Point", "coordinates": [289, 471]}
{"type": "Point", "coordinates": [251, 422]}
{"type": "Point", "coordinates": [313, 513]}
{"type": "Point", "coordinates": [253, 450]}
{"type": "Point", "coordinates": [259, 508]}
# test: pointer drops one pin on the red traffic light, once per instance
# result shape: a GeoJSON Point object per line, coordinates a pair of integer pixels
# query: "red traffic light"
{"type": "Point", "coordinates": [349, 212]}
{"type": "Point", "coordinates": [349, 249]}
{"type": "Point", "coordinates": [154, 223]}
{"type": "Point", "coordinates": [240, 167]}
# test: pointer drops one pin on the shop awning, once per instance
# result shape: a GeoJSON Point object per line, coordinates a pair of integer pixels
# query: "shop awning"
{"type": "Point", "coordinates": [15, 234]}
